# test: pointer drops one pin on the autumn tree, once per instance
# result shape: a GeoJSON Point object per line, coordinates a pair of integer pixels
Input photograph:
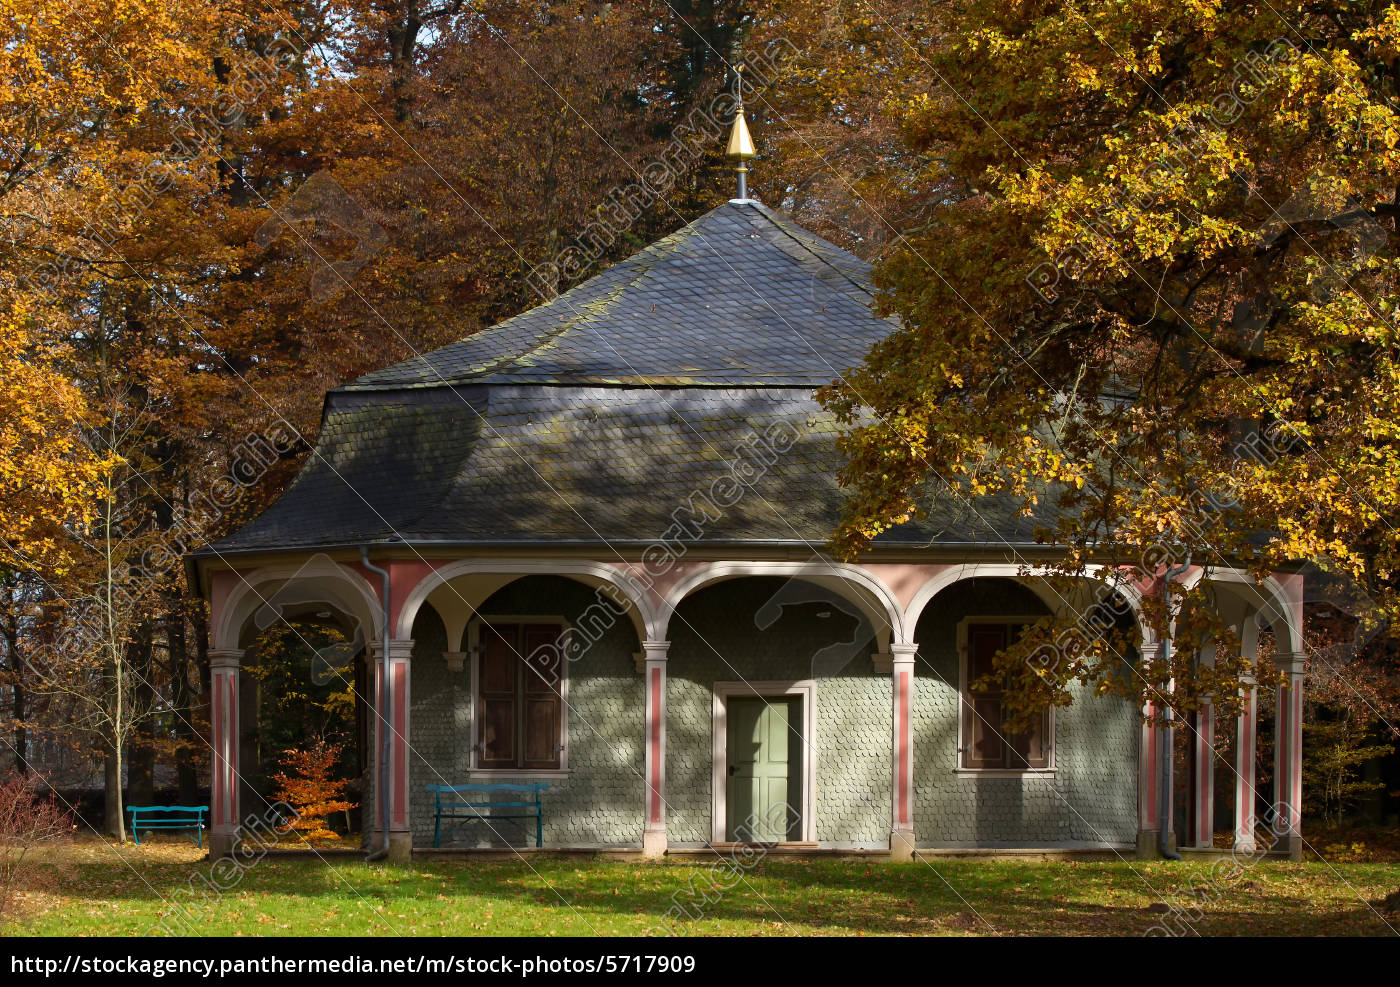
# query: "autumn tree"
{"type": "Point", "coordinates": [305, 673]}
{"type": "Point", "coordinates": [1353, 716]}
{"type": "Point", "coordinates": [1156, 303]}
{"type": "Point", "coordinates": [832, 151]}
{"type": "Point", "coordinates": [308, 784]}
{"type": "Point", "coordinates": [110, 127]}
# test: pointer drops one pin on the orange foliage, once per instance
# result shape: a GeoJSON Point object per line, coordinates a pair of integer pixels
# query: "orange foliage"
{"type": "Point", "coordinates": [307, 784]}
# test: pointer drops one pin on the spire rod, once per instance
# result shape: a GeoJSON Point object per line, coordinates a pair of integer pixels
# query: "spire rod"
{"type": "Point", "coordinates": [740, 148]}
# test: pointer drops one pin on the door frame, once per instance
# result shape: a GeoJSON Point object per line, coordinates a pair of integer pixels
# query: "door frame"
{"type": "Point", "coordinates": [805, 690]}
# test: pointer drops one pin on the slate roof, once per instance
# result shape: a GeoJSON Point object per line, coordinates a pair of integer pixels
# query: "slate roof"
{"type": "Point", "coordinates": [616, 413]}
{"type": "Point", "coordinates": [513, 463]}
{"type": "Point", "coordinates": [740, 296]}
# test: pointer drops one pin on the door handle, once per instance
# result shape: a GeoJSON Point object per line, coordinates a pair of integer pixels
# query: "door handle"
{"type": "Point", "coordinates": [732, 770]}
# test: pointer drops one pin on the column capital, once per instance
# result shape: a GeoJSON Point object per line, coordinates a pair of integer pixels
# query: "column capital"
{"type": "Point", "coordinates": [399, 647]}
{"type": "Point", "coordinates": [651, 651]}
{"type": "Point", "coordinates": [225, 659]}
{"type": "Point", "coordinates": [456, 660]}
{"type": "Point", "coordinates": [1290, 662]}
{"type": "Point", "coordinates": [883, 662]}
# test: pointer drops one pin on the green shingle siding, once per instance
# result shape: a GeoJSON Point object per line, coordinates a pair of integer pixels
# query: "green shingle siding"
{"type": "Point", "coordinates": [1092, 797]}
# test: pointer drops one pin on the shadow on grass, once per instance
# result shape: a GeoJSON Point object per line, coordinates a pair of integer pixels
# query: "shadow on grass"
{"type": "Point", "coordinates": [776, 897]}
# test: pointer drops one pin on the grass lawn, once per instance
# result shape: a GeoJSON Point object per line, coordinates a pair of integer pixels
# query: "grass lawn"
{"type": "Point", "coordinates": [92, 888]}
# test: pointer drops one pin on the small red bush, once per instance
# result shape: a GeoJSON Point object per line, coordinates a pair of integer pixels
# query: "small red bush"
{"type": "Point", "coordinates": [26, 819]}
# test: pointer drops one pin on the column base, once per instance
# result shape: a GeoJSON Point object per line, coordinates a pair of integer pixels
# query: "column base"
{"type": "Point", "coordinates": [902, 845]}
{"type": "Point", "coordinates": [1149, 844]}
{"type": "Point", "coordinates": [654, 844]}
{"type": "Point", "coordinates": [1291, 844]}
{"type": "Point", "coordinates": [222, 845]}
{"type": "Point", "coordinates": [1245, 846]}
{"type": "Point", "coordinates": [400, 848]}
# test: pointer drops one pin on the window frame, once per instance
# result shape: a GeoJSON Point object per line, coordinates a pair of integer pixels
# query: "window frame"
{"type": "Point", "coordinates": [474, 650]}
{"type": "Point", "coordinates": [964, 702]}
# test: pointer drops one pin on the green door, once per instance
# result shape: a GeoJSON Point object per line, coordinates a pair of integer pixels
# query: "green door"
{"type": "Point", "coordinates": [764, 770]}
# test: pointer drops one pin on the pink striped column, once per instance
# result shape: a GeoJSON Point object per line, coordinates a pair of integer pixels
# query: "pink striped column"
{"type": "Point", "coordinates": [902, 751]}
{"type": "Point", "coordinates": [223, 764]}
{"type": "Point", "coordinates": [392, 713]}
{"type": "Point", "coordinates": [1246, 777]}
{"type": "Point", "coordinates": [1148, 775]}
{"type": "Point", "coordinates": [1288, 757]}
{"type": "Point", "coordinates": [1203, 798]}
{"type": "Point", "coordinates": [654, 669]}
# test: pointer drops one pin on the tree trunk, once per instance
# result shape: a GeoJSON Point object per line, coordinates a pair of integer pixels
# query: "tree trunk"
{"type": "Point", "coordinates": [112, 822]}
{"type": "Point", "coordinates": [19, 701]}
{"type": "Point", "coordinates": [21, 733]}
{"type": "Point", "coordinates": [141, 757]}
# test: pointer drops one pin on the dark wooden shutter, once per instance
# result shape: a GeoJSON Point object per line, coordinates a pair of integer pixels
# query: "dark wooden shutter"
{"type": "Point", "coordinates": [982, 743]}
{"type": "Point", "coordinates": [542, 649]}
{"type": "Point", "coordinates": [986, 742]}
{"type": "Point", "coordinates": [519, 685]}
{"type": "Point", "coordinates": [499, 685]}
{"type": "Point", "coordinates": [1030, 748]}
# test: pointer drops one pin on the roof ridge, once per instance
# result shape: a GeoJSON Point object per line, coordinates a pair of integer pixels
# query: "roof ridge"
{"type": "Point", "coordinates": [781, 225]}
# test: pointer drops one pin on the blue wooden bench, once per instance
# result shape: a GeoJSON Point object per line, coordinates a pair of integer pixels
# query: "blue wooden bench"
{"type": "Point", "coordinates": [149, 817]}
{"type": "Point", "coordinates": [456, 802]}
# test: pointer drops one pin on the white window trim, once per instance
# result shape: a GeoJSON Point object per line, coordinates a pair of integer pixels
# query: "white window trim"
{"type": "Point", "coordinates": [477, 773]}
{"type": "Point", "coordinates": [806, 690]}
{"type": "Point", "coordinates": [964, 710]}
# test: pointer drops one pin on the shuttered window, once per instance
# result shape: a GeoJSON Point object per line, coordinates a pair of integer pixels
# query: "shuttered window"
{"type": "Point", "coordinates": [985, 741]}
{"type": "Point", "coordinates": [519, 688]}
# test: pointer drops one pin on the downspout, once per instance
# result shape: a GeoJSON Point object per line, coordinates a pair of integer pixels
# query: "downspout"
{"type": "Point", "coordinates": [1167, 768]}
{"type": "Point", "coordinates": [381, 784]}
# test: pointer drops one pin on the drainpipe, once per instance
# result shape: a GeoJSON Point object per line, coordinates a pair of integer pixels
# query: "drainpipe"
{"type": "Point", "coordinates": [381, 784]}
{"type": "Point", "coordinates": [1167, 768]}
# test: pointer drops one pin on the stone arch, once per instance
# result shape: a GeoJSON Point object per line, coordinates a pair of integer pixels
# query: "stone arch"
{"type": "Point", "coordinates": [853, 583]}
{"type": "Point", "coordinates": [458, 588]}
{"type": "Point", "coordinates": [1270, 599]}
{"type": "Point", "coordinates": [978, 570]}
{"type": "Point", "coordinates": [1098, 586]}
{"type": "Point", "coordinates": [287, 590]}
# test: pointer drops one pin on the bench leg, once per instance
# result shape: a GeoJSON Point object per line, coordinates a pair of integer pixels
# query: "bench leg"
{"type": "Point", "coordinates": [199, 835]}
{"type": "Point", "coordinates": [437, 832]}
{"type": "Point", "coordinates": [539, 830]}
{"type": "Point", "coordinates": [136, 835]}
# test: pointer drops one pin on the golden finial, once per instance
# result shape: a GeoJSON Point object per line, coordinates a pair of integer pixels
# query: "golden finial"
{"type": "Point", "coordinates": [740, 148]}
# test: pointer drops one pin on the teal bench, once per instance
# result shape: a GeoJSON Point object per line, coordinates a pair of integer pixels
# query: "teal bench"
{"type": "Point", "coordinates": [149, 817]}
{"type": "Point", "coordinates": [456, 802]}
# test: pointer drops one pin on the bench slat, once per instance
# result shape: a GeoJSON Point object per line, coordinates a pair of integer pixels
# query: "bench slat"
{"type": "Point", "coordinates": [170, 817]}
{"type": "Point", "coordinates": [538, 786]}
{"type": "Point", "coordinates": [459, 808]}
